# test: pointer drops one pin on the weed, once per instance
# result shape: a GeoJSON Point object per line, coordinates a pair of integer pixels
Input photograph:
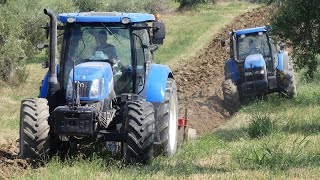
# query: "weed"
{"type": "Point", "coordinates": [274, 154]}
{"type": "Point", "coordinates": [260, 126]}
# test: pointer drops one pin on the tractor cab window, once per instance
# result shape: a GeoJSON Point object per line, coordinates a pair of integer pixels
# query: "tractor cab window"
{"type": "Point", "coordinates": [254, 43]}
{"type": "Point", "coordinates": [142, 54]}
{"type": "Point", "coordinates": [100, 42]}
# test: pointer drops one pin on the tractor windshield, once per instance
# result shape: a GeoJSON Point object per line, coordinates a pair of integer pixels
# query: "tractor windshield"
{"type": "Point", "coordinates": [96, 42]}
{"type": "Point", "coordinates": [254, 43]}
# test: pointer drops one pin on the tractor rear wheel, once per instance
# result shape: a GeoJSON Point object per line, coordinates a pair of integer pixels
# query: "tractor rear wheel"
{"type": "Point", "coordinates": [290, 89]}
{"type": "Point", "coordinates": [34, 129]}
{"type": "Point", "coordinates": [167, 121]}
{"type": "Point", "coordinates": [231, 96]}
{"type": "Point", "coordinates": [140, 129]}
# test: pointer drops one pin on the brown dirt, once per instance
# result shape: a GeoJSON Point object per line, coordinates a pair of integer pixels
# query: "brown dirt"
{"type": "Point", "coordinates": [9, 163]}
{"type": "Point", "coordinates": [198, 80]}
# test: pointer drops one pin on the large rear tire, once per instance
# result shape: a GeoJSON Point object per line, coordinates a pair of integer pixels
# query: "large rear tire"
{"type": "Point", "coordinates": [291, 89]}
{"type": "Point", "coordinates": [231, 96]}
{"type": "Point", "coordinates": [140, 128]}
{"type": "Point", "coordinates": [34, 129]}
{"type": "Point", "coordinates": [167, 121]}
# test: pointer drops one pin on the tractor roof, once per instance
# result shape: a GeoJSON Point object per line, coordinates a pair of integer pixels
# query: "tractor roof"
{"type": "Point", "coordinates": [251, 30]}
{"type": "Point", "coordinates": [104, 17]}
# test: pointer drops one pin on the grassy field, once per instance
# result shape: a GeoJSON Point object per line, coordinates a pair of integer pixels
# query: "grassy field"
{"type": "Point", "coordinates": [288, 151]}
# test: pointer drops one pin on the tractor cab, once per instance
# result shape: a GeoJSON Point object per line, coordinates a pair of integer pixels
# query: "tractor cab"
{"type": "Point", "coordinates": [120, 39]}
{"type": "Point", "coordinates": [256, 43]}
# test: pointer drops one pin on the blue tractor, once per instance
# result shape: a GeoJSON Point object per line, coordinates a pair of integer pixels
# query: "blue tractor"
{"type": "Point", "coordinates": [102, 93]}
{"type": "Point", "coordinates": [257, 66]}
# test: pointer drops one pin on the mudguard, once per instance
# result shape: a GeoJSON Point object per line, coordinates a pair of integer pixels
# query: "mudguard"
{"type": "Point", "coordinates": [45, 84]}
{"type": "Point", "coordinates": [157, 82]}
{"type": "Point", "coordinates": [283, 61]}
{"type": "Point", "coordinates": [231, 71]}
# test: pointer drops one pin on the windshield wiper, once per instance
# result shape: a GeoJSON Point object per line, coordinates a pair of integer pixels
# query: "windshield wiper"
{"type": "Point", "coordinates": [112, 34]}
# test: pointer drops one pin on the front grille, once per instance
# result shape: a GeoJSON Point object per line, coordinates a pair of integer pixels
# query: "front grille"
{"type": "Point", "coordinates": [254, 77]}
{"type": "Point", "coordinates": [84, 88]}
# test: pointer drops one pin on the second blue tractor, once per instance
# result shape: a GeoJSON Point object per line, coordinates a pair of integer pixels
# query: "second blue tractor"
{"type": "Point", "coordinates": [257, 66]}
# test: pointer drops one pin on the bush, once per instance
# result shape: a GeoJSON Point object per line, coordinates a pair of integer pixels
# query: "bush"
{"type": "Point", "coordinates": [20, 32]}
{"type": "Point", "coordinates": [190, 3]}
{"type": "Point", "coordinates": [260, 126]}
{"type": "Point", "coordinates": [156, 6]}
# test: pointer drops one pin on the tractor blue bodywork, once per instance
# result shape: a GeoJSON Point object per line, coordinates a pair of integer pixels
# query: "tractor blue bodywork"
{"type": "Point", "coordinates": [105, 17]}
{"type": "Point", "coordinates": [157, 82]}
{"type": "Point", "coordinates": [96, 74]}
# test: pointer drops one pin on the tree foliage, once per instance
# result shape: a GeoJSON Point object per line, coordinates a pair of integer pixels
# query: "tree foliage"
{"type": "Point", "coordinates": [190, 3]}
{"type": "Point", "coordinates": [298, 22]}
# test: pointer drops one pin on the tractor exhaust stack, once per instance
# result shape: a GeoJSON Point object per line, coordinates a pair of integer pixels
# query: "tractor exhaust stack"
{"type": "Point", "coordinates": [53, 81]}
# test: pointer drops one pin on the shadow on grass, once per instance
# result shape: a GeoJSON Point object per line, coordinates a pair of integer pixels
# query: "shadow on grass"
{"type": "Point", "coordinates": [181, 169]}
{"type": "Point", "coordinates": [230, 135]}
{"type": "Point", "coordinates": [305, 128]}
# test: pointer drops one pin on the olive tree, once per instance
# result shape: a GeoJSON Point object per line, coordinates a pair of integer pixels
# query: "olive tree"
{"type": "Point", "coordinates": [298, 22]}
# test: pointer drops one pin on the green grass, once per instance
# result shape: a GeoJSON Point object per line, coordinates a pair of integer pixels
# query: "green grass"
{"type": "Point", "coordinates": [188, 32]}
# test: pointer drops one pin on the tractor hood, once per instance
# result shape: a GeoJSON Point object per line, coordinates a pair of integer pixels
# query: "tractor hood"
{"type": "Point", "coordinates": [95, 81]}
{"type": "Point", "coordinates": [254, 62]}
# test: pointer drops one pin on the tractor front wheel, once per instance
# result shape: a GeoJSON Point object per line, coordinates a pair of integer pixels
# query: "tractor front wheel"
{"type": "Point", "coordinates": [34, 129]}
{"type": "Point", "coordinates": [167, 121]}
{"type": "Point", "coordinates": [231, 96]}
{"type": "Point", "coordinates": [140, 129]}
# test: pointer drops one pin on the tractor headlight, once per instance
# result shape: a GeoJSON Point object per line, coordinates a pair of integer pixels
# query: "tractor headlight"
{"type": "Point", "coordinates": [69, 89]}
{"type": "Point", "coordinates": [248, 73]}
{"type": "Point", "coordinates": [259, 72]}
{"type": "Point", "coordinates": [125, 20]}
{"type": "Point", "coordinates": [94, 91]}
{"type": "Point", "coordinates": [255, 72]}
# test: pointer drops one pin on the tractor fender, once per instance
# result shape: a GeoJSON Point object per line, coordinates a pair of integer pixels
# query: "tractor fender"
{"type": "Point", "coordinates": [283, 61]}
{"type": "Point", "coordinates": [230, 70]}
{"type": "Point", "coordinates": [45, 83]}
{"type": "Point", "coordinates": [157, 82]}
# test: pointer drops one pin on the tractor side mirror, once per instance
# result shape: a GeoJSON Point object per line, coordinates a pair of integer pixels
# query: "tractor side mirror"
{"type": "Point", "coordinates": [282, 45]}
{"type": "Point", "coordinates": [45, 64]}
{"type": "Point", "coordinates": [46, 28]}
{"type": "Point", "coordinates": [41, 46]}
{"type": "Point", "coordinates": [159, 32]}
{"type": "Point", "coordinates": [223, 42]}
{"type": "Point", "coordinates": [153, 47]}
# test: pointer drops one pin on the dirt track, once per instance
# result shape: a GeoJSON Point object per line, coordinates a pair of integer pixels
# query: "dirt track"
{"type": "Point", "coordinates": [198, 80]}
